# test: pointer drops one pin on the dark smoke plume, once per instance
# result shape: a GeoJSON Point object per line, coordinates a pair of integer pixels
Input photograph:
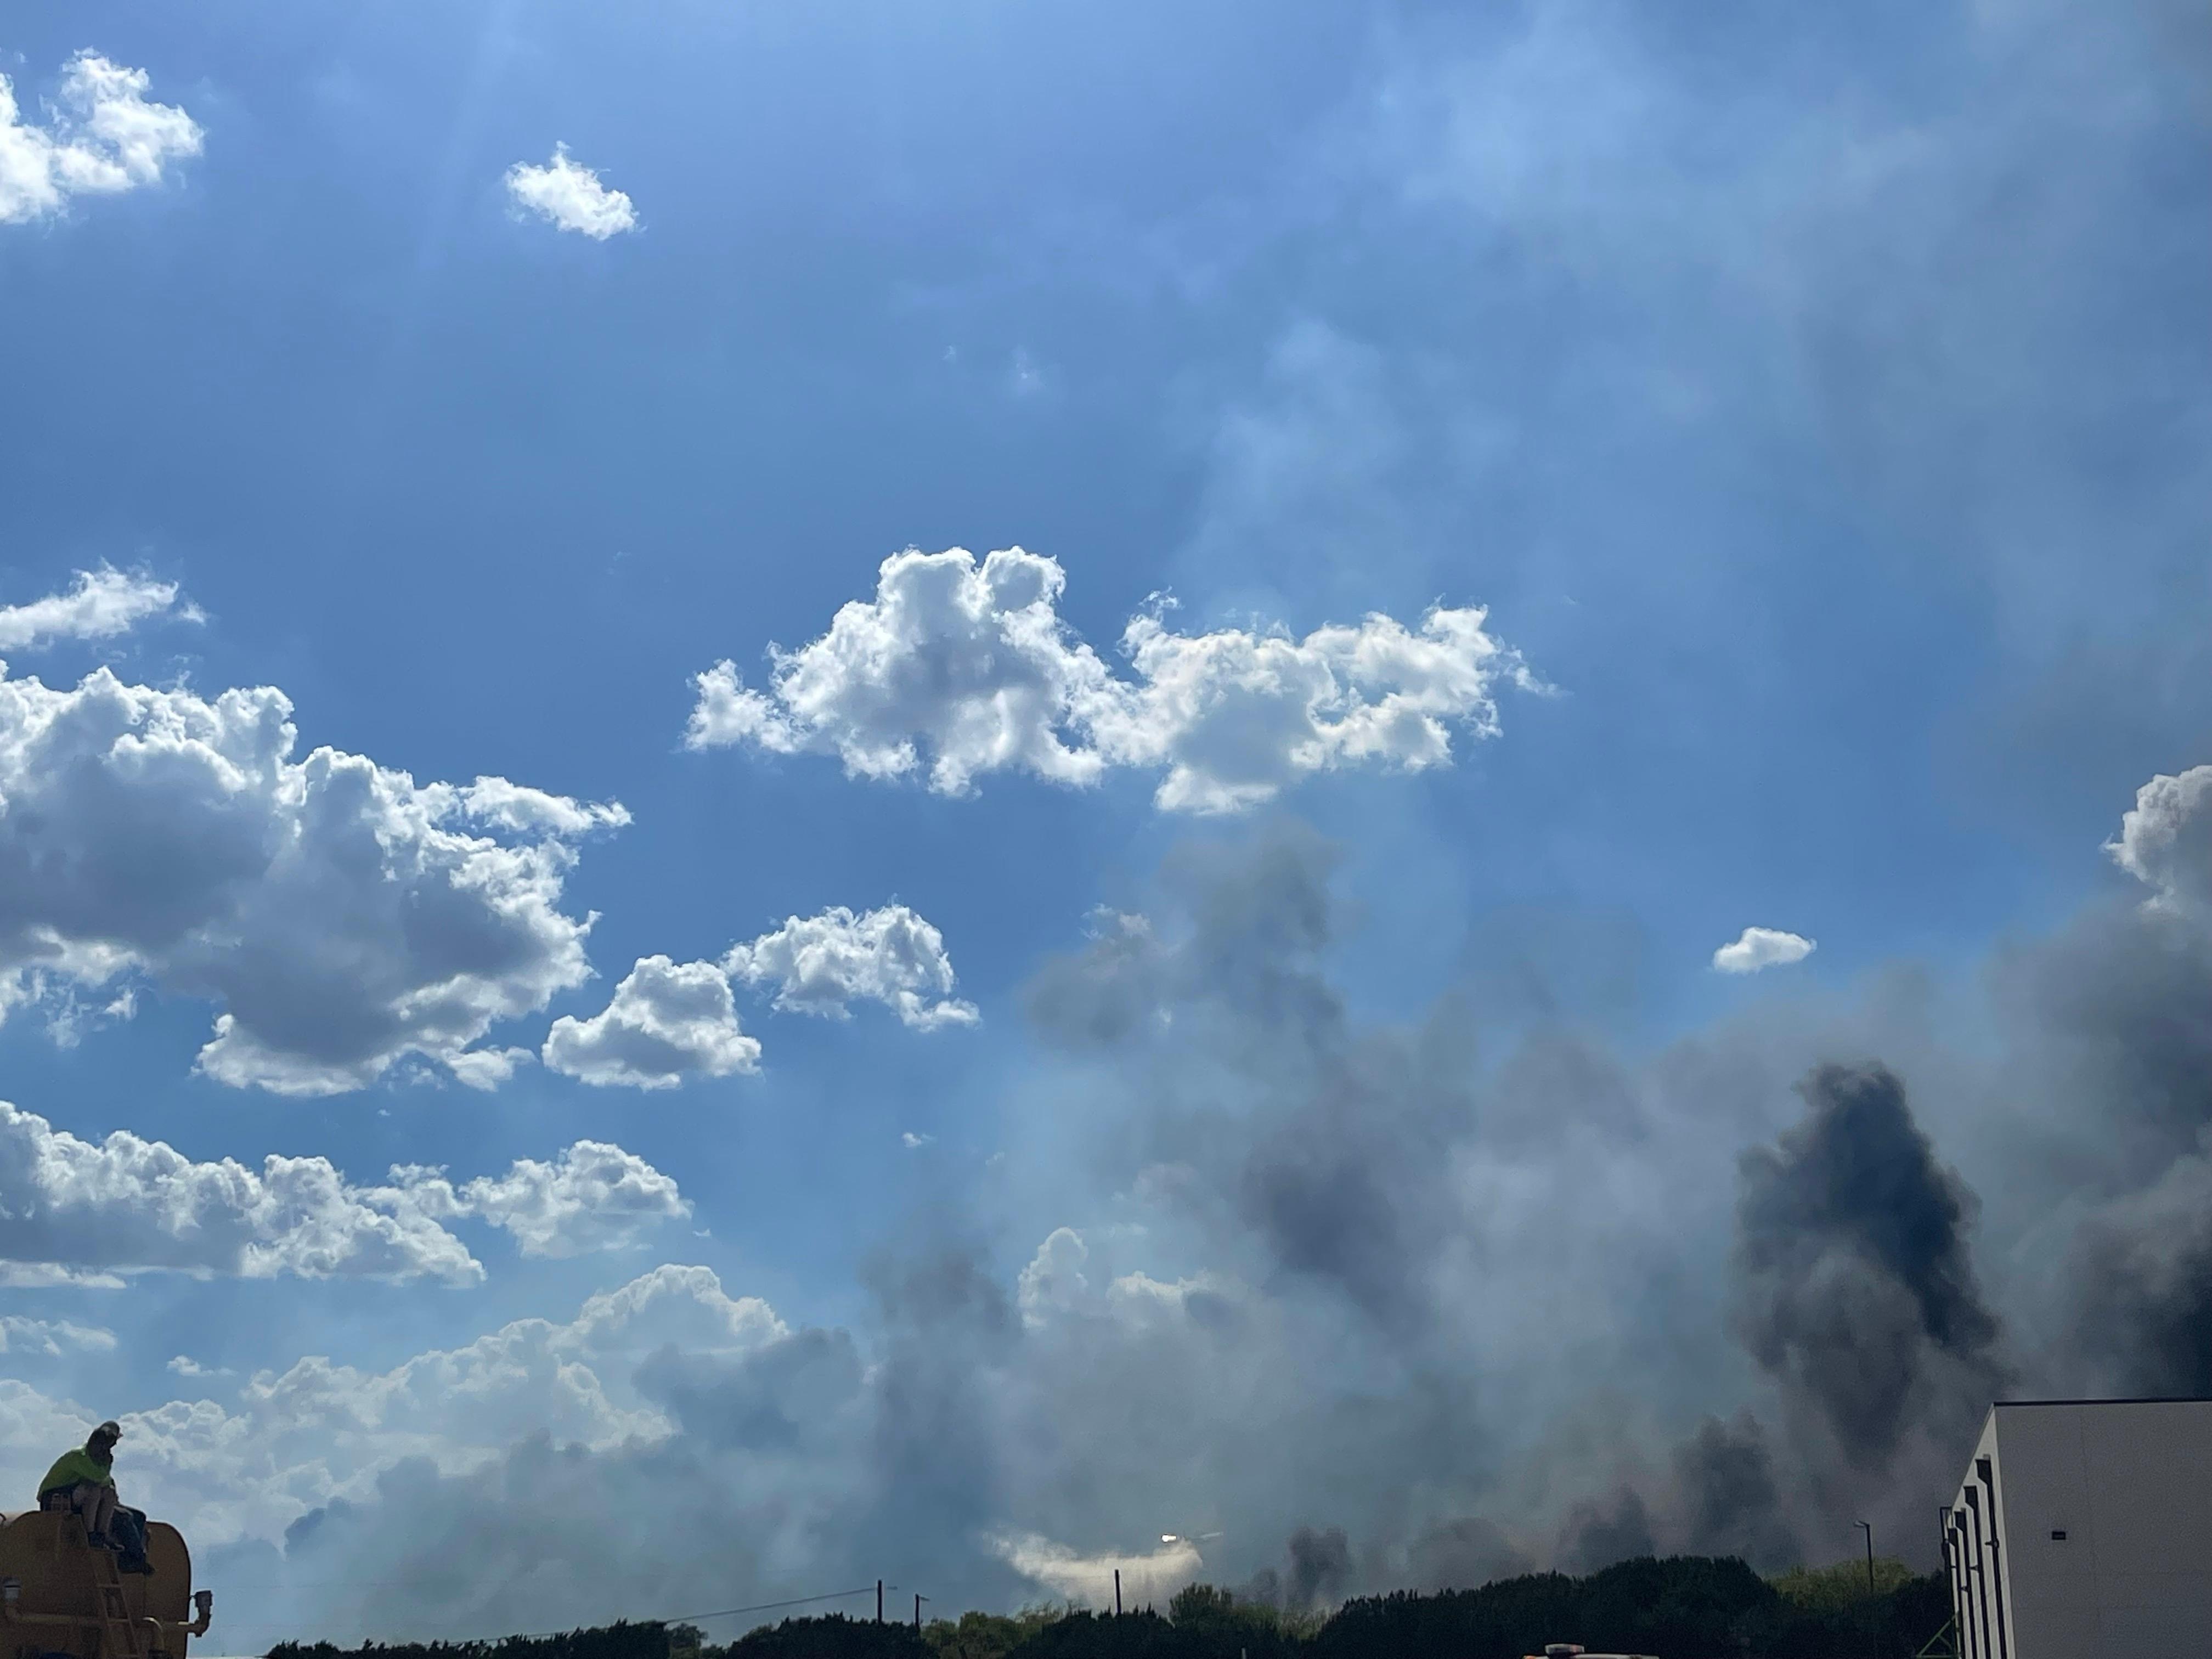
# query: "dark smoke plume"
{"type": "Point", "coordinates": [1597, 1535]}
{"type": "Point", "coordinates": [1320, 1566]}
{"type": "Point", "coordinates": [1859, 1292]}
{"type": "Point", "coordinates": [1731, 1502]}
{"type": "Point", "coordinates": [1463, 1554]}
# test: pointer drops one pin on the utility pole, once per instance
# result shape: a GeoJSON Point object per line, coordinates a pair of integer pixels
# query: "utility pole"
{"type": "Point", "coordinates": [1117, 1592]}
{"type": "Point", "coordinates": [1873, 1627]}
{"type": "Point", "coordinates": [919, 1598]}
{"type": "Point", "coordinates": [879, 1601]}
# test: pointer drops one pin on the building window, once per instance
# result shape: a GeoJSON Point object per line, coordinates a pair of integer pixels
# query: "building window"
{"type": "Point", "coordinates": [2059, 1535]}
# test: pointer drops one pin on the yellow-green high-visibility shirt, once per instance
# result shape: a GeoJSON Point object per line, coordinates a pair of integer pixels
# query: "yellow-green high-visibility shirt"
{"type": "Point", "coordinates": [74, 1468]}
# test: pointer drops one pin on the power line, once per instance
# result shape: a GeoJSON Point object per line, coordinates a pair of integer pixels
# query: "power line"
{"type": "Point", "coordinates": [763, 1606]}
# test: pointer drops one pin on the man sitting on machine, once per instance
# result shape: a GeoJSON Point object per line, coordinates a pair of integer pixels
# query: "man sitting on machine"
{"type": "Point", "coordinates": [83, 1483]}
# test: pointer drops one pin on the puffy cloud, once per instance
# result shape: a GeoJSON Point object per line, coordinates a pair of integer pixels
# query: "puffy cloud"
{"type": "Point", "coordinates": [1762, 947]}
{"type": "Point", "coordinates": [962, 669]}
{"type": "Point", "coordinates": [570, 195]}
{"type": "Point", "coordinates": [133, 1206]}
{"type": "Point", "coordinates": [1056, 1284]}
{"type": "Point", "coordinates": [346, 917]}
{"type": "Point", "coordinates": [2166, 839]}
{"type": "Point", "coordinates": [667, 1021]}
{"type": "Point", "coordinates": [102, 603]}
{"type": "Point", "coordinates": [523, 810]}
{"type": "Point", "coordinates": [593, 1196]}
{"type": "Point", "coordinates": [1053, 1279]}
{"type": "Point", "coordinates": [104, 137]}
{"type": "Point", "coordinates": [126, 1205]}
{"type": "Point", "coordinates": [820, 964]}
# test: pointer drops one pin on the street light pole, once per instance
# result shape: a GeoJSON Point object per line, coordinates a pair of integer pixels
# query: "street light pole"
{"type": "Point", "coordinates": [1874, 1626]}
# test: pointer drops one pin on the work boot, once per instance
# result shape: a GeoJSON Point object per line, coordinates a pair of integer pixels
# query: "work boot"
{"type": "Point", "coordinates": [135, 1563]}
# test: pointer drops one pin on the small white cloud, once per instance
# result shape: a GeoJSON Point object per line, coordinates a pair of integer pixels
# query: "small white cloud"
{"type": "Point", "coordinates": [185, 1365]}
{"type": "Point", "coordinates": [104, 137]}
{"type": "Point", "coordinates": [525, 811]}
{"type": "Point", "coordinates": [101, 604]}
{"type": "Point", "coordinates": [963, 669]}
{"type": "Point", "coordinates": [667, 1021]}
{"type": "Point", "coordinates": [914, 1142]}
{"type": "Point", "coordinates": [821, 964]}
{"type": "Point", "coordinates": [571, 196]}
{"type": "Point", "coordinates": [51, 1337]}
{"type": "Point", "coordinates": [1762, 947]}
{"type": "Point", "coordinates": [1054, 1282]}
{"type": "Point", "coordinates": [1024, 377]}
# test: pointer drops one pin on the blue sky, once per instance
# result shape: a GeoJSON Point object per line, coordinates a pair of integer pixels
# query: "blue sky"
{"type": "Point", "coordinates": [1816, 405]}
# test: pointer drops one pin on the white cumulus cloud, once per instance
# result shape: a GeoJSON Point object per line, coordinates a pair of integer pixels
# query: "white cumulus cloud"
{"type": "Point", "coordinates": [569, 195]}
{"type": "Point", "coordinates": [1762, 947]}
{"type": "Point", "coordinates": [822, 964]}
{"type": "Point", "coordinates": [959, 669]}
{"type": "Point", "coordinates": [71, 1208]}
{"type": "Point", "coordinates": [343, 916]}
{"type": "Point", "coordinates": [134, 1205]}
{"type": "Point", "coordinates": [1057, 1285]}
{"type": "Point", "coordinates": [2166, 839]}
{"type": "Point", "coordinates": [101, 604]}
{"type": "Point", "coordinates": [667, 1021]}
{"type": "Point", "coordinates": [593, 1196]}
{"type": "Point", "coordinates": [102, 137]}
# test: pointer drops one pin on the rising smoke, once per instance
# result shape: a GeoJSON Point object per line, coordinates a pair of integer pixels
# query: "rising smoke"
{"type": "Point", "coordinates": [1391, 1306]}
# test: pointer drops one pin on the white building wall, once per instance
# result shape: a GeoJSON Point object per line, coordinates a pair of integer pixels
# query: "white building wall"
{"type": "Point", "coordinates": [2129, 1485]}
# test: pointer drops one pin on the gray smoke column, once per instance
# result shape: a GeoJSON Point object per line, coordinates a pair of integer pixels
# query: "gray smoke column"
{"type": "Point", "coordinates": [1320, 1566]}
{"type": "Point", "coordinates": [1858, 1294]}
{"type": "Point", "coordinates": [2143, 1284]}
{"type": "Point", "coordinates": [1731, 1502]}
{"type": "Point", "coordinates": [1598, 1534]}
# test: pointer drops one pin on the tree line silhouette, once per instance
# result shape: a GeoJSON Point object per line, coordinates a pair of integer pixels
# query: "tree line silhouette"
{"type": "Point", "coordinates": [1679, 1608]}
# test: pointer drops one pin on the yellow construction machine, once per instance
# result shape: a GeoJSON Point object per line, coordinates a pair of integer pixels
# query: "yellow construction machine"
{"type": "Point", "coordinates": [60, 1598]}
